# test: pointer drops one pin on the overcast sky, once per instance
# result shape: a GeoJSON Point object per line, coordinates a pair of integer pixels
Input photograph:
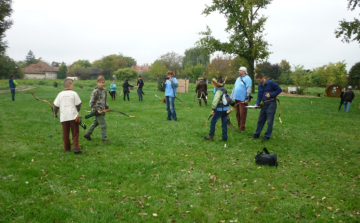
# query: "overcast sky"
{"type": "Point", "coordinates": [301, 32]}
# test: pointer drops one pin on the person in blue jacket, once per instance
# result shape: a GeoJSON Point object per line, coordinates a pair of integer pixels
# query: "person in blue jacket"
{"type": "Point", "coordinates": [12, 86]}
{"type": "Point", "coordinates": [268, 90]}
{"type": "Point", "coordinates": [113, 90]}
{"type": "Point", "coordinates": [170, 84]}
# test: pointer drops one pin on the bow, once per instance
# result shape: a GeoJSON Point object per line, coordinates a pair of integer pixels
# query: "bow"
{"type": "Point", "coordinates": [51, 106]}
{"type": "Point", "coordinates": [162, 99]}
{"type": "Point", "coordinates": [180, 101]}
{"type": "Point", "coordinates": [211, 114]}
{"type": "Point", "coordinates": [95, 113]}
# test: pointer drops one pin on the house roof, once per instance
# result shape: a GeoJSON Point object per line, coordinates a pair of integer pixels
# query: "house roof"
{"type": "Point", "coordinates": [140, 69]}
{"type": "Point", "coordinates": [39, 68]}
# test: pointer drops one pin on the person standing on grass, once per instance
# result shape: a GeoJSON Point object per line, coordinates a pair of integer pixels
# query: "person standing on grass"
{"type": "Point", "coordinates": [342, 98]}
{"type": "Point", "coordinates": [69, 103]}
{"type": "Point", "coordinates": [268, 90]}
{"type": "Point", "coordinates": [98, 104]}
{"type": "Point", "coordinates": [242, 95]}
{"type": "Point", "coordinates": [12, 86]}
{"type": "Point", "coordinates": [201, 91]}
{"type": "Point", "coordinates": [219, 110]}
{"type": "Point", "coordinates": [348, 97]}
{"type": "Point", "coordinates": [113, 90]}
{"type": "Point", "coordinates": [140, 84]}
{"type": "Point", "coordinates": [126, 90]}
{"type": "Point", "coordinates": [170, 84]}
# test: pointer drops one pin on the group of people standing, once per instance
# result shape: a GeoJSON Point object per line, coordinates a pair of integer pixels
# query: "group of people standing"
{"type": "Point", "coordinates": [126, 90]}
{"type": "Point", "coordinates": [268, 90]}
{"type": "Point", "coordinates": [346, 98]}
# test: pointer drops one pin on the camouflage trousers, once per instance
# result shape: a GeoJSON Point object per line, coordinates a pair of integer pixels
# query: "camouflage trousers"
{"type": "Point", "coordinates": [99, 120]}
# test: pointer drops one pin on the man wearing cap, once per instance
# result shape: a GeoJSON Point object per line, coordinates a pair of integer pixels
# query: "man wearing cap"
{"type": "Point", "coordinates": [242, 95]}
{"type": "Point", "coordinates": [201, 90]}
{"type": "Point", "coordinates": [348, 97]}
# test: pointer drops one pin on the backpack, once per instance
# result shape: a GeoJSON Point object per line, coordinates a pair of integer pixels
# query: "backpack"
{"type": "Point", "coordinates": [141, 83]}
{"type": "Point", "coordinates": [266, 159]}
{"type": "Point", "coordinates": [225, 98]}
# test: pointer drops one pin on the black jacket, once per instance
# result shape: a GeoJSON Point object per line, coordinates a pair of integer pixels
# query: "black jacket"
{"type": "Point", "coordinates": [126, 86]}
{"type": "Point", "coordinates": [349, 95]}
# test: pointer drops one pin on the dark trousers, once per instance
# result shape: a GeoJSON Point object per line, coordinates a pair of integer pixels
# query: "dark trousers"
{"type": "Point", "coordinates": [139, 91]}
{"type": "Point", "coordinates": [241, 114]}
{"type": "Point", "coordinates": [66, 126]}
{"type": "Point", "coordinates": [267, 113]}
{"type": "Point", "coordinates": [113, 93]}
{"type": "Point", "coordinates": [126, 94]}
{"type": "Point", "coordinates": [223, 115]}
{"type": "Point", "coordinates": [12, 90]}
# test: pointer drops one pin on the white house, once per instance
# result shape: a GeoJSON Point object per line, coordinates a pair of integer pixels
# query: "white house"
{"type": "Point", "coordinates": [40, 70]}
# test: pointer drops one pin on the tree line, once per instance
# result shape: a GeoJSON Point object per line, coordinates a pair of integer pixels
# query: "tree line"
{"type": "Point", "coordinates": [246, 46]}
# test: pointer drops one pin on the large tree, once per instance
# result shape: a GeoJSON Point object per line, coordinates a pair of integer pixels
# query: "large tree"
{"type": "Point", "coordinates": [157, 69]}
{"type": "Point", "coordinates": [245, 27]}
{"type": "Point", "coordinates": [349, 31]}
{"type": "Point", "coordinates": [194, 56]}
{"type": "Point", "coordinates": [172, 61]}
{"type": "Point", "coordinates": [5, 22]}
{"type": "Point", "coordinates": [270, 70]}
{"type": "Point", "coordinates": [114, 62]}
{"type": "Point", "coordinates": [8, 66]}
{"type": "Point", "coordinates": [354, 75]}
{"type": "Point", "coordinates": [31, 59]}
{"type": "Point", "coordinates": [62, 71]}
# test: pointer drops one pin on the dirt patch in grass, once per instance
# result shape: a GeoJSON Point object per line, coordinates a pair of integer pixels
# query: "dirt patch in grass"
{"type": "Point", "coordinates": [296, 95]}
{"type": "Point", "coordinates": [20, 88]}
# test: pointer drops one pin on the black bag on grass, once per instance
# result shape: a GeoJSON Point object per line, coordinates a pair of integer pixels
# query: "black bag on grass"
{"type": "Point", "coordinates": [266, 159]}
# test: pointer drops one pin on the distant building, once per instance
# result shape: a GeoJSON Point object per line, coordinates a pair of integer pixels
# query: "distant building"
{"type": "Point", "coordinates": [40, 70]}
{"type": "Point", "coordinates": [140, 69]}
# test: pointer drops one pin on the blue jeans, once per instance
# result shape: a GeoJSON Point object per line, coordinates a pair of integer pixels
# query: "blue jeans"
{"type": "Point", "coordinates": [139, 91]}
{"type": "Point", "coordinates": [223, 115]}
{"type": "Point", "coordinates": [170, 107]}
{"type": "Point", "coordinates": [267, 113]}
{"type": "Point", "coordinates": [347, 106]}
{"type": "Point", "coordinates": [12, 93]}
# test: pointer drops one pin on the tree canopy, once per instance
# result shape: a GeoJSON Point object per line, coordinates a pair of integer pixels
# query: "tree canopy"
{"type": "Point", "coordinates": [8, 66]}
{"type": "Point", "coordinates": [245, 27]}
{"type": "Point", "coordinates": [31, 59]}
{"type": "Point", "coordinates": [349, 31]}
{"type": "Point", "coordinates": [5, 22]}
{"type": "Point", "coordinates": [172, 61]}
{"type": "Point", "coordinates": [114, 62]}
{"type": "Point", "coordinates": [354, 75]}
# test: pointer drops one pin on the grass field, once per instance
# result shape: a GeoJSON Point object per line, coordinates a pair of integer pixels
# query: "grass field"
{"type": "Point", "coordinates": [159, 171]}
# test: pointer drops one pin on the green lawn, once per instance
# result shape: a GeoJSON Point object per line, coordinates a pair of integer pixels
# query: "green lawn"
{"type": "Point", "coordinates": [159, 171]}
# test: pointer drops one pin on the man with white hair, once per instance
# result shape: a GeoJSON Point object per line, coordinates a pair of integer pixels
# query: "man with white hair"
{"type": "Point", "coordinates": [348, 97]}
{"type": "Point", "coordinates": [242, 95]}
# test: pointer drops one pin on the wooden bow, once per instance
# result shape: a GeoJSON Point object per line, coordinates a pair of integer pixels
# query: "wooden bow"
{"type": "Point", "coordinates": [51, 106]}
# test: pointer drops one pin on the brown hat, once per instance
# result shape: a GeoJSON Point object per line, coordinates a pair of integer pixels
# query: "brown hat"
{"type": "Point", "coordinates": [200, 78]}
{"type": "Point", "coordinates": [216, 83]}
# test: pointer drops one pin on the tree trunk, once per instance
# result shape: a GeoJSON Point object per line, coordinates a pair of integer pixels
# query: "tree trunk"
{"type": "Point", "coordinates": [251, 72]}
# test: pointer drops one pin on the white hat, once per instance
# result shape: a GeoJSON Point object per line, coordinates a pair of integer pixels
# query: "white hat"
{"type": "Point", "coordinates": [350, 87]}
{"type": "Point", "coordinates": [243, 69]}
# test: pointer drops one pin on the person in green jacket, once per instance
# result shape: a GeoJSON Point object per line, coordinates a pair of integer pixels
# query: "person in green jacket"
{"type": "Point", "coordinates": [12, 85]}
{"type": "Point", "coordinates": [219, 110]}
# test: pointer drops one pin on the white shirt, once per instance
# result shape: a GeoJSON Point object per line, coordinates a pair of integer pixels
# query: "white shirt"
{"type": "Point", "coordinates": [67, 101]}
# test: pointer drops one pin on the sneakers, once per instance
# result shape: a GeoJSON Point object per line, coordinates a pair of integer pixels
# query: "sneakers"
{"type": "Point", "coordinates": [86, 136]}
{"type": "Point", "coordinates": [105, 141]}
{"type": "Point", "coordinates": [77, 151]}
{"type": "Point", "coordinates": [265, 139]}
{"type": "Point", "coordinates": [252, 136]}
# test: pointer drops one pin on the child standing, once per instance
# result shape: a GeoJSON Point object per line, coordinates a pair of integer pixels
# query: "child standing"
{"type": "Point", "coordinates": [12, 85]}
{"type": "Point", "coordinates": [113, 90]}
{"type": "Point", "coordinates": [98, 104]}
{"type": "Point", "coordinates": [126, 90]}
{"type": "Point", "coordinates": [219, 111]}
{"type": "Point", "coordinates": [69, 103]}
